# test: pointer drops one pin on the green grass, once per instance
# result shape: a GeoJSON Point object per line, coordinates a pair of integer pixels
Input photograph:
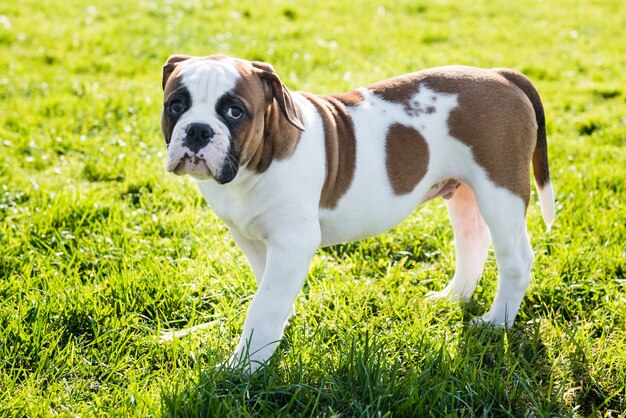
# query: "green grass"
{"type": "Point", "coordinates": [101, 250]}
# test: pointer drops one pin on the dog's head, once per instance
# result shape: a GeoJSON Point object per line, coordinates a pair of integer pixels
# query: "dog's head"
{"type": "Point", "coordinates": [215, 112]}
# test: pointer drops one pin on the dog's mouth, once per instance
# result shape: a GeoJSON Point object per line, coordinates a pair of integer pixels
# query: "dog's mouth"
{"type": "Point", "coordinates": [193, 165]}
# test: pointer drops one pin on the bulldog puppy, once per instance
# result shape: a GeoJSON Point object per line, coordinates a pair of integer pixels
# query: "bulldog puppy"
{"type": "Point", "coordinates": [289, 172]}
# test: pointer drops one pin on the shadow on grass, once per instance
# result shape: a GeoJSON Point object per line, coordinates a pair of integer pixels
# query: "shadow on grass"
{"type": "Point", "coordinates": [486, 372]}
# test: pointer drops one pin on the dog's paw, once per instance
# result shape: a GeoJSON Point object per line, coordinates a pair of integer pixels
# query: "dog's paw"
{"type": "Point", "coordinates": [435, 296]}
{"type": "Point", "coordinates": [445, 294]}
{"type": "Point", "coordinates": [490, 320]}
{"type": "Point", "coordinates": [450, 293]}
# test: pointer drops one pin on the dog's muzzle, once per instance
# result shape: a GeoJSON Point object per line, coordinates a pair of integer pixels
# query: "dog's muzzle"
{"type": "Point", "coordinates": [190, 154]}
{"type": "Point", "coordinates": [202, 153]}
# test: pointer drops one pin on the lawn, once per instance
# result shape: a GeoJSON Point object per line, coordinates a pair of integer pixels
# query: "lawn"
{"type": "Point", "coordinates": [101, 250]}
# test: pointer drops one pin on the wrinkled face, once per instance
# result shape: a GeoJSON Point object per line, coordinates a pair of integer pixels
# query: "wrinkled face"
{"type": "Point", "coordinates": [212, 113]}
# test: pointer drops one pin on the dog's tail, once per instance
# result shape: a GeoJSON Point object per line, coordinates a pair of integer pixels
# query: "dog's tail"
{"type": "Point", "coordinates": [540, 154]}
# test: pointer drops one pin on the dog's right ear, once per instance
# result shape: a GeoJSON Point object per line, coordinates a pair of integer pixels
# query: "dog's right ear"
{"type": "Point", "coordinates": [170, 65]}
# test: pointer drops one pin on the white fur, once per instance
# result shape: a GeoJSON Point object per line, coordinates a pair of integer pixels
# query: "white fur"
{"type": "Point", "coordinates": [546, 200]}
{"type": "Point", "coordinates": [275, 216]}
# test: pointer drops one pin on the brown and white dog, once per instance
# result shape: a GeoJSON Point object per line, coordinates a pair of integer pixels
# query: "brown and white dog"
{"type": "Point", "coordinates": [290, 172]}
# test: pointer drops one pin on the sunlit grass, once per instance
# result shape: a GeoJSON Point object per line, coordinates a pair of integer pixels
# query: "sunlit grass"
{"type": "Point", "coordinates": [101, 250]}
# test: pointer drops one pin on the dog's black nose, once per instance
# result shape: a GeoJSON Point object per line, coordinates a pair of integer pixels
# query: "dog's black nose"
{"type": "Point", "coordinates": [198, 136]}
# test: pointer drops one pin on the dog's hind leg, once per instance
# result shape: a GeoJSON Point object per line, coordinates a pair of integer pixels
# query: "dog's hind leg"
{"type": "Point", "coordinates": [471, 241]}
{"type": "Point", "coordinates": [505, 215]}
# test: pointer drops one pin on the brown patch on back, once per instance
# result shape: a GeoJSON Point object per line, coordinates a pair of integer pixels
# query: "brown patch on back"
{"type": "Point", "coordinates": [351, 98]}
{"type": "Point", "coordinates": [269, 136]}
{"type": "Point", "coordinates": [494, 118]}
{"type": "Point", "coordinates": [399, 89]}
{"type": "Point", "coordinates": [406, 158]}
{"type": "Point", "coordinates": [340, 142]}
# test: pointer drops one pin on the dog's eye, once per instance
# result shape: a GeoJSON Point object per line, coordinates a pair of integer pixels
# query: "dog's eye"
{"type": "Point", "coordinates": [177, 106]}
{"type": "Point", "coordinates": [234, 112]}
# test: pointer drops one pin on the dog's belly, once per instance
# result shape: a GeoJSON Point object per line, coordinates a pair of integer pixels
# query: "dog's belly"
{"type": "Point", "coordinates": [372, 216]}
{"type": "Point", "coordinates": [362, 220]}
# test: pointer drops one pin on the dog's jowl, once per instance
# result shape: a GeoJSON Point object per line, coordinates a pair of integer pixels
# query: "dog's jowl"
{"type": "Point", "coordinates": [289, 172]}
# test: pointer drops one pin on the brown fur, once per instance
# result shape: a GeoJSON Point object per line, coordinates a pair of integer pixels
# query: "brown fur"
{"type": "Point", "coordinates": [494, 118]}
{"type": "Point", "coordinates": [170, 66]}
{"type": "Point", "coordinates": [540, 155]}
{"type": "Point", "coordinates": [351, 98]}
{"type": "Point", "coordinates": [171, 83]}
{"type": "Point", "coordinates": [406, 159]}
{"type": "Point", "coordinates": [340, 145]}
{"type": "Point", "coordinates": [270, 135]}
{"type": "Point", "coordinates": [276, 91]}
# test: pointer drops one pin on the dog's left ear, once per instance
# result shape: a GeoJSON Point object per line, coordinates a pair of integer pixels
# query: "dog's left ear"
{"type": "Point", "coordinates": [275, 89]}
{"type": "Point", "coordinates": [170, 65]}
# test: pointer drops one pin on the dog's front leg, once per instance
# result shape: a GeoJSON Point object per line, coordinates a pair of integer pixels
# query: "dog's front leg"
{"type": "Point", "coordinates": [254, 251]}
{"type": "Point", "coordinates": [288, 260]}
